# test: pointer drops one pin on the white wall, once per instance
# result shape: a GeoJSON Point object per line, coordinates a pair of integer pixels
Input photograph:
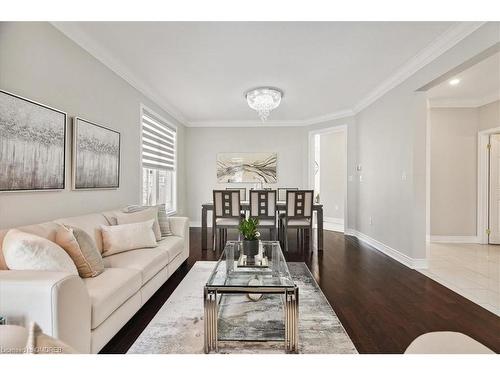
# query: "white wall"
{"type": "Point", "coordinates": [391, 144]}
{"type": "Point", "coordinates": [489, 116]}
{"type": "Point", "coordinates": [333, 174]}
{"type": "Point", "coordinates": [454, 171]}
{"type": "Point", "coordinates": [204, 144]}
{"type": "Point", "coordinates": [40, 63]}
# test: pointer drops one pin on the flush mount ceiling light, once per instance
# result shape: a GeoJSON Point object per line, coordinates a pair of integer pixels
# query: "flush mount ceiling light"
{"type": "Point", "coordinates": [454, 81]}
{"type": "Point", "coordinates": [264, 100]}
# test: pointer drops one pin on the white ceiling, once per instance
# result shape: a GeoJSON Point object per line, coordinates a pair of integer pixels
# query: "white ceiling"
{"type": "Point", "coordinates": [479, 85]}
{"type": "Point", "coordinates": [199, 71]}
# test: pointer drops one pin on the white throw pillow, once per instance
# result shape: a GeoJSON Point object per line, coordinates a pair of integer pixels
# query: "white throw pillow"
{"type": "Point", "coordinates": [119, 238]}
{"type": "Point", "coordinates": [25, 251]}
{"type": "Point", "coordinates": [150, 213]}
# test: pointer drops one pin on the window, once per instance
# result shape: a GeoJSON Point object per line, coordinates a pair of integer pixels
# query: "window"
{"type": "Point", "coordinates": [159, 141]}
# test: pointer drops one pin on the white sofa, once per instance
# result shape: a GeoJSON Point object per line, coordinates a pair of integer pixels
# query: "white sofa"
{"type": "Point", "coordinates": [87, 313]}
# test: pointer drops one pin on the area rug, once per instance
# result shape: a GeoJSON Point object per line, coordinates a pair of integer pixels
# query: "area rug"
{"type": "Point", "coordinates": [178, 326]}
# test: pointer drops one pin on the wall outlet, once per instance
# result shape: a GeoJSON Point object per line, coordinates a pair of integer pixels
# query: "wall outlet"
{"type": "Point", "coordinates": [403, 176]}
{"type": "Point", "coordinates": [360, 178]}
{"type": "Point", "coordinates": [336, 207]}
{"type": "Point", "coordinates": [370, 220]}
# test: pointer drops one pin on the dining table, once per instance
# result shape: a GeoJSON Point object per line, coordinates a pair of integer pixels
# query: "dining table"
{"type": "Point", "coordinates": [245, 206]}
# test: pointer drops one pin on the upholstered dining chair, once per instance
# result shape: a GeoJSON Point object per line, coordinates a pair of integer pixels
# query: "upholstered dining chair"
{"type": "Point", "coordinates": [226, 215]}
{"type": "Point", "coordinates": [263, 208]}
{"type": "Point", "coordinates": [282, 193]}
{"type": "Point", "coordinates": [243, 192]}
{"type": "Point", "coordinates": [298, 215]}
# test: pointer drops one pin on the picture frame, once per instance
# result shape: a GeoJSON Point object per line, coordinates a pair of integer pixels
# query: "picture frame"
{"type": "Point", "coordinates": [96, 156]}
{"type": "Point", "coordinates": [33, 139]}
{"type": "Point", "coordinates": [247, 167]}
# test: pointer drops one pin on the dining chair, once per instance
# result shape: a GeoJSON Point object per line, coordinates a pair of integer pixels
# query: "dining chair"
{"type": "Point", "coordinates": [263, 208]}
{"type": "Point", "coordinates": [282, 193]}
{"type": "Point", "coordinates": [243, 192]}
{"type": "Point", "coordinates": [226, 215]}
{"type": "Point", "coordinates": [298, 215]}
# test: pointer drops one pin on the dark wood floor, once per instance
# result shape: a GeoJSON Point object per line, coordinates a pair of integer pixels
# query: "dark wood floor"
{"type": "Point", "coordinates": [382, 304]}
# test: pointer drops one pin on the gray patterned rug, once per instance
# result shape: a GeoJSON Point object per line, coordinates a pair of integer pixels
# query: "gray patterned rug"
{"type": "Point", "coordinates": [177, 328]}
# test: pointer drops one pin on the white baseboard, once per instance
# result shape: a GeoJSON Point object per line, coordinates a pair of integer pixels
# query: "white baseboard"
{"type": "Point", "coordinates": [455, 239]}
{"type": "Point", "coordinates": [387, 250]}
{"type": "Point", "coordinates": [333, 224]}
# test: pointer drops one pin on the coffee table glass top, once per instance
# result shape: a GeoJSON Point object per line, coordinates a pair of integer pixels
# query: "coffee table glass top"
{"type": "Point", "coordinates": [267, 269]}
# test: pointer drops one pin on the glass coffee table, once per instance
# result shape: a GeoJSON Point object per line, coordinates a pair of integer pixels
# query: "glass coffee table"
{"type": "Point", "coordinates": [256, 277]}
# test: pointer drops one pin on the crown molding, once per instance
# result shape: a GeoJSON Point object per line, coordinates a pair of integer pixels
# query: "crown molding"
{"type": "Point", "coordinates": [74, 32]}
{"type": "Point", "coordinates": [439, 46]}
{"type": "Point", "coordinates": [464, 103]}
{"type": "Point", "coordinates": [279, 123]}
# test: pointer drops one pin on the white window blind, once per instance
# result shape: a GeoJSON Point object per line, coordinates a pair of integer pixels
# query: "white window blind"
{"type": "Point", "coordinates": [158, 142]}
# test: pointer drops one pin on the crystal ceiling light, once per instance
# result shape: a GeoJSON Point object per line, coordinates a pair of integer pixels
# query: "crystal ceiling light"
{"type": "Point", "coordinates": [264, 100]}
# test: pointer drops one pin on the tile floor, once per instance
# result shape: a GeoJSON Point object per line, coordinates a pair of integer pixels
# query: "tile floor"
{"type": "Point", "coordinates": [472, 270]}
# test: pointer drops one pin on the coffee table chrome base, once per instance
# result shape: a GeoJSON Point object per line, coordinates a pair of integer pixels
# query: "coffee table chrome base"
{"type": "Point", "coordinates": [290, 307]}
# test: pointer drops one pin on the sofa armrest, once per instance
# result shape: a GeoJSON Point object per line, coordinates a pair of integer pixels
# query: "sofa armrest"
{"type": "Point", "coordinates": [179, 226]}
{"type": "Point", "coordinates": [58, 302]}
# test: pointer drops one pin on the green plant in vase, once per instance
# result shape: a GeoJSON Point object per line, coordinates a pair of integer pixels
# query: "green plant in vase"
{"type": "Point", "coordinates": [249, 231]}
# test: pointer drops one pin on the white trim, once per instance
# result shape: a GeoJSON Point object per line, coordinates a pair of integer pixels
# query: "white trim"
{"type": "Point", "coordinates": [333, 224]}
{"type": "Point", "coordinates": [73, 31]}
{"type": "Point", "coordinates": [310, 159]}
{"type": "Point", "coordinates": [389, 251]}
{"type": "Point", "coordinates": [455, 239]}
{"type": "Point", "coordinates": [464, 103]}
{"type": "Point", "coordinates": [482, 183]}
{"type": "Point", "coordinates": [439, 46]}
{"type": "Point", "coordinates": [279, 123]}
{"type": "Point", "coordinates": [195, 224]}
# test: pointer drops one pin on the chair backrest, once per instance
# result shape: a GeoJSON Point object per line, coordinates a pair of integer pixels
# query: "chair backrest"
{"type": "Point", "coordinates": [227, 203]}
{"type": "Point", "coordinates": [299, 203]}
{"type": "Point", "coordinates": [263, 204]}
{"type": "Point", "coordinates": [243, 192]}
{"type": "Point", "coordinates": [282, 193]}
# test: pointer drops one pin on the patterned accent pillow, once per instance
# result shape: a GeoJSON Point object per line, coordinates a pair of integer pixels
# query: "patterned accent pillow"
{"type": "Point", "coordinates": [162, 217]}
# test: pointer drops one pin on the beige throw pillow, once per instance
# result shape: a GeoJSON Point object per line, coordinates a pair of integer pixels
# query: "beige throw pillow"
{"type": "Point", "coordinates": [25, 251]}
{"type": "Point", "coordinates": [163, 220]}
{"type": "Point", "coordinates": [82, 250]}
{"type": "Point", "coordinates": [119, 238]}
{"type": "Point", "coordinates": [141, 216]}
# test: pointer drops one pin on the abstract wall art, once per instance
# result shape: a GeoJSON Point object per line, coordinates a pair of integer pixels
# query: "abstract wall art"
{"type": "Point", "coordinates": [32, 145]}
{"type": "Point", "coordinates": [247, 167]}
{"type": "Point", "coordinates": [96, 156]}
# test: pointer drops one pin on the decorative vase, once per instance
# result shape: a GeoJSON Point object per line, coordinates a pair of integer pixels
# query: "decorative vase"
{"type": "Point", "coordinates": [250, 248]}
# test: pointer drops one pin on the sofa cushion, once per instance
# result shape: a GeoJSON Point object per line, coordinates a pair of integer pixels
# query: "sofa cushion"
{"type": "Point", "coordinates": [46, 230]}
{"type": "Point", "coordinates": [26, 251]}
{"type": "Point", "coordinates": [89, 223]}
{"type": "Point", "coordinates": [110, 290]}
{"type": "Point", "coordinates": [173, 245]}
{"type": "Point", "coordinates": [148, 261]}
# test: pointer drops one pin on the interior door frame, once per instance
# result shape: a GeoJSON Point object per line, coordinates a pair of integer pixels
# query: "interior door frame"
{"type": "Point", "coordinates": [483, 139]}
{"type": "Point", "coordinates": [310, 161]}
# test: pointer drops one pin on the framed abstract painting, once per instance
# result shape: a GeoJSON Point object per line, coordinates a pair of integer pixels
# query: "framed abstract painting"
{"type": "Point", "coordinates": [247, 167]}
{"type": "Point", "coordinates": [96, 156]}
{"type": "Point", "coordinates": [32, 145]}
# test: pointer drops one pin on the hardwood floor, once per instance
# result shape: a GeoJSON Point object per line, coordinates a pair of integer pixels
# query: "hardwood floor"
{"type": "Point", "coordinates": [382, 304]}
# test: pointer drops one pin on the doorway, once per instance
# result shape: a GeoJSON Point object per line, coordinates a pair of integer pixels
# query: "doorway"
{"type": "Point", "coordinates": [328, 174]}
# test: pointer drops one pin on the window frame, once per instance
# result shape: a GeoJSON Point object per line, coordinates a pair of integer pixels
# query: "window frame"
{"type": "Point", "coordinates": [141, 168]}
